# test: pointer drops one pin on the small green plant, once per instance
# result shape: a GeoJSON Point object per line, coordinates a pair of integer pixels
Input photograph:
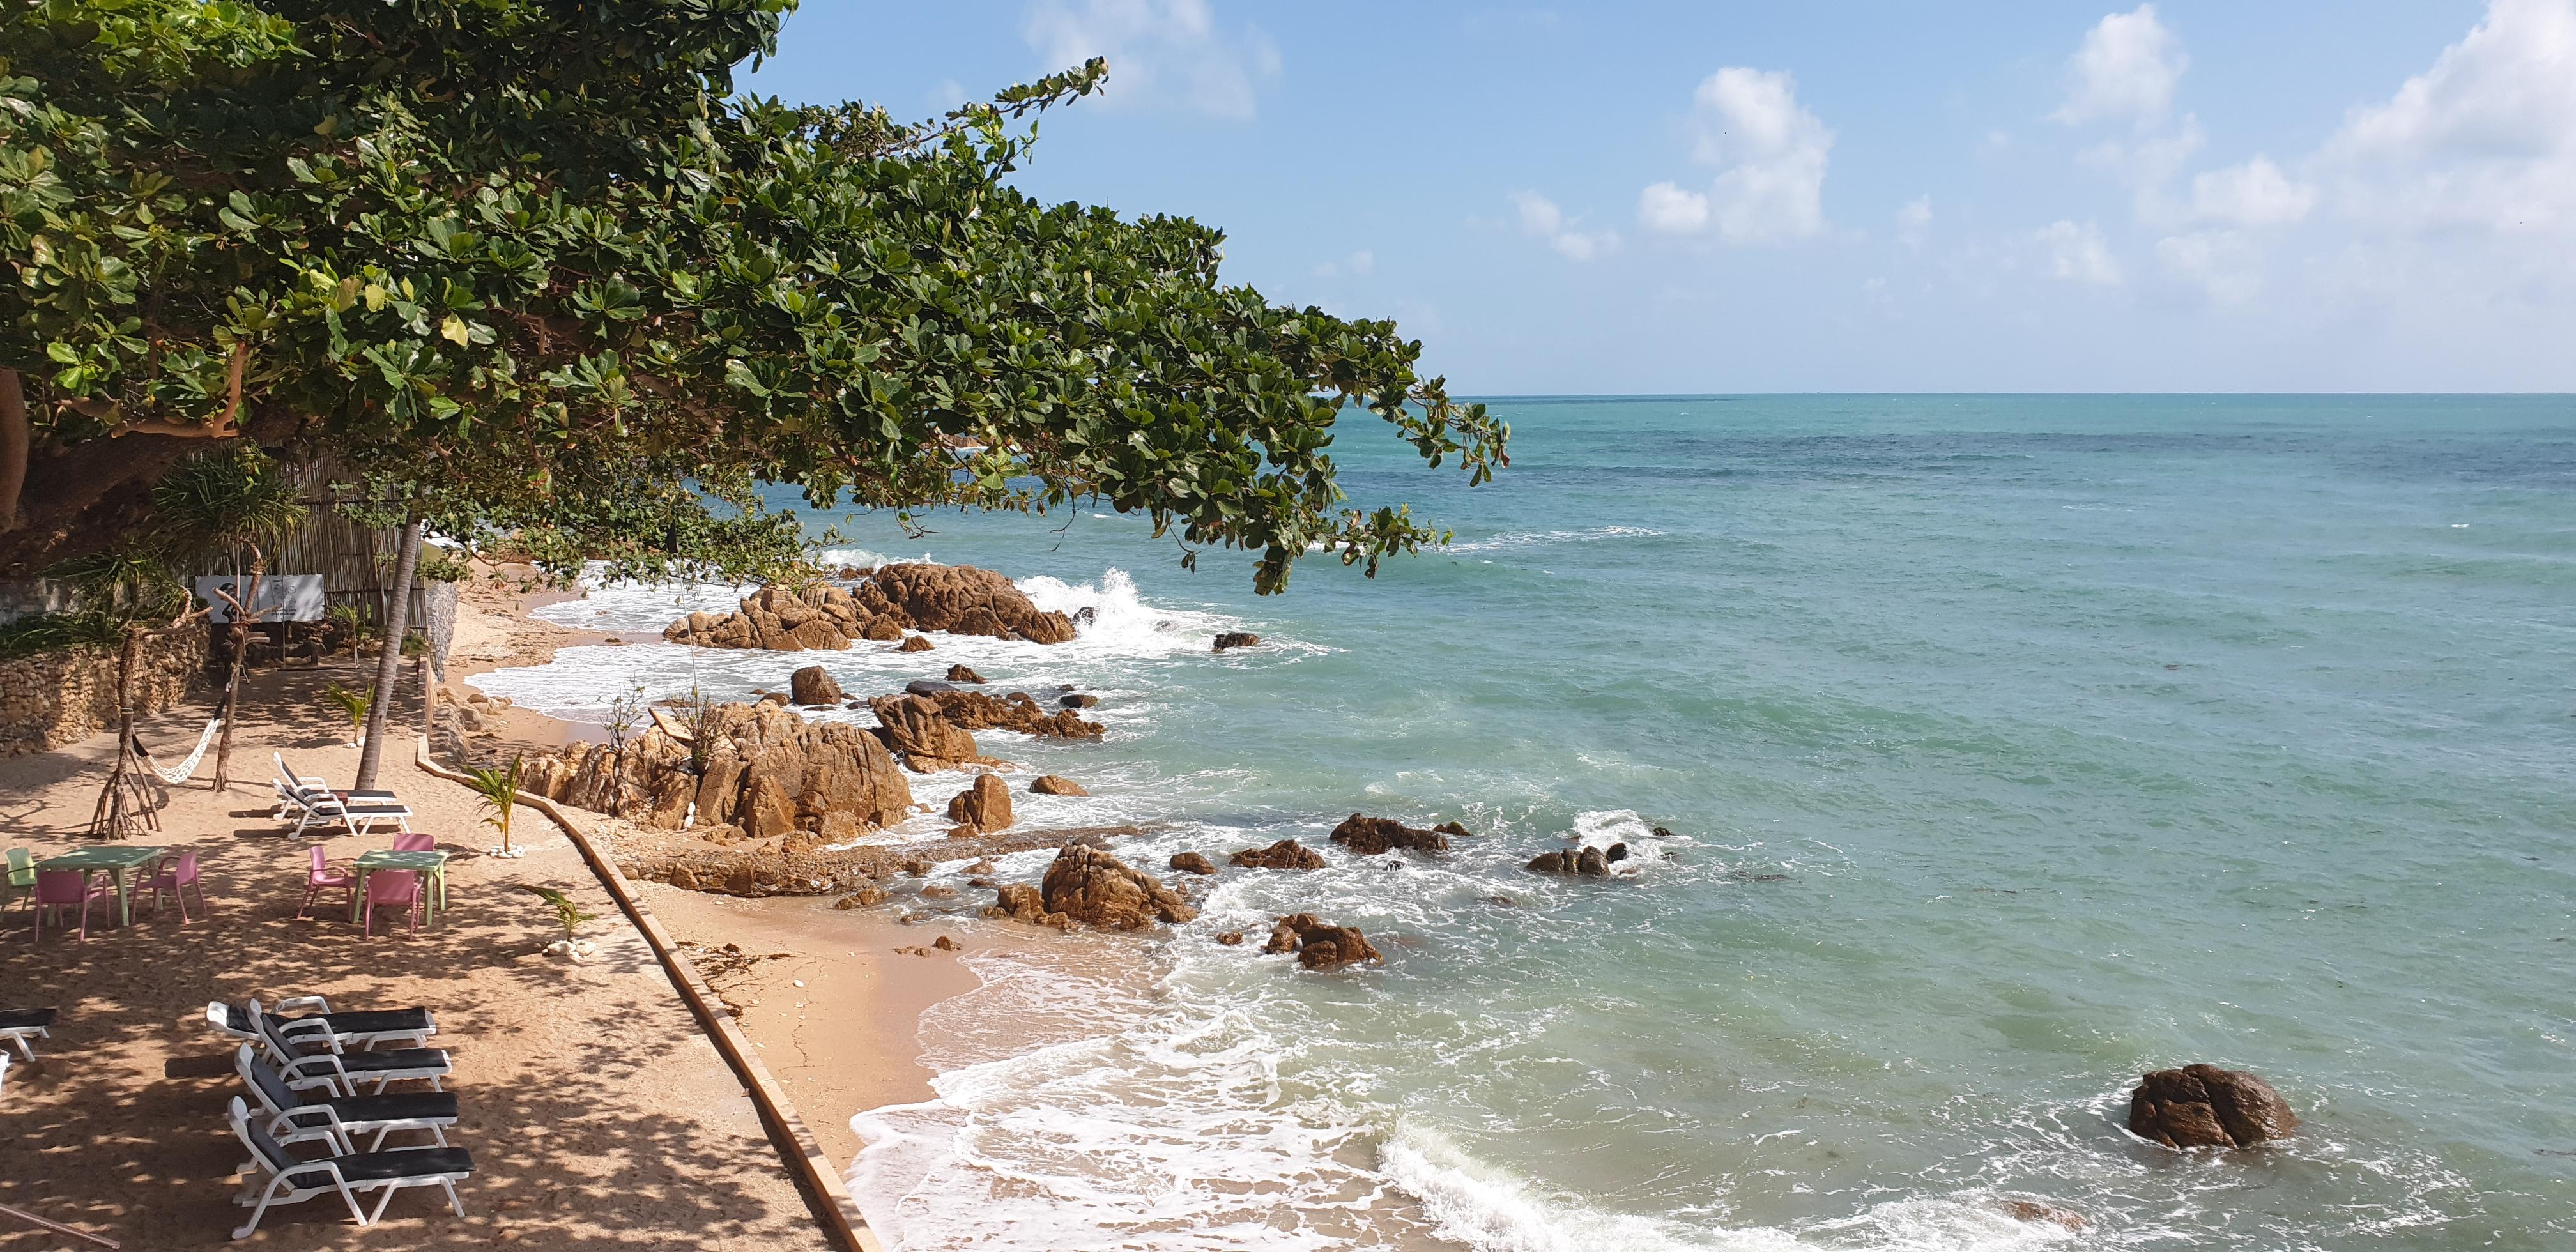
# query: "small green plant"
{"type": "Point", "coordinates": [350, 623]}
{"type": "Point", "coordinates": [567, 913]}
{"type": "Point", "coordinates": [353, 703]}
{"type": "Point", "coordinates": [500, 791]}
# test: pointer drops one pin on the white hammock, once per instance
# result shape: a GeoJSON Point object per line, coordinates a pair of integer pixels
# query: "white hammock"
{"type": "Point", "coordinates": [188, 768]}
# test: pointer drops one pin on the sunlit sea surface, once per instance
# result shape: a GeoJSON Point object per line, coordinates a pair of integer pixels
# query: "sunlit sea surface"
{"type": "Point", "coordinates": [2010, 747]}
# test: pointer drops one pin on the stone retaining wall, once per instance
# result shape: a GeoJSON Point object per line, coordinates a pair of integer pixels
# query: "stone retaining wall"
{"type": "Point", "coordinates": [61, 697]}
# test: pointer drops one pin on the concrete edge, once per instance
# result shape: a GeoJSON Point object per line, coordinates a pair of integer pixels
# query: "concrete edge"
{"type": "Point", "coordinates": [840, 1211]}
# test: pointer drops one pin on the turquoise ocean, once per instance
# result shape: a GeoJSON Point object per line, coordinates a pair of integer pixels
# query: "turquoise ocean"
{"type": "Point", "coordinates": [2010, 746]}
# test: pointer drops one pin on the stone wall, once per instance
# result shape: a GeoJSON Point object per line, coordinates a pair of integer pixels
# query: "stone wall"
{"type": "Point", "coordinates": [61, 697]}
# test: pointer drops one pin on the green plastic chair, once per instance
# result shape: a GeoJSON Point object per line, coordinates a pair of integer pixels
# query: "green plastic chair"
{"type": "Point", "coordinates": [22, 878]}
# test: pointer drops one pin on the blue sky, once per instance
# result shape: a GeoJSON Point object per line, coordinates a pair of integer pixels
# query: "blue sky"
{"type": "Point", "coordinates": [1651, 198]}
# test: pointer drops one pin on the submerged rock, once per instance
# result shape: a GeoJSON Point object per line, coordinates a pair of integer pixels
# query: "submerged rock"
{"type": "Point", "coordinates": [915, 643]}
{"type": "Point", "coordinates": [1318, 945]}
{"type": "Point", "coordinates": [961, 674]}
{"type": "Point", "coordinates": [2036, 1212]}
{"type": "Point", "coordinates": [2203, 1106]}
{"type": "Point", "coordinates": [1285, 854]}
{"type": "Point", "coordinates": [973, 710]}
{"type": "Point", "coordinates": [1369, 836]}
{"type": "Point", "coordinates": [927, 687]}
{"type": "Point", "coordinates": [1078, 701]}
{"type": "Point", "coordinates": [1588, 862]}
{"type": "Point", "coordinates": [1237, 639]}
{"type": "Point", "coordinates": [1192, 863]}
{"type": "Point", "coordinates": [1056, 785]}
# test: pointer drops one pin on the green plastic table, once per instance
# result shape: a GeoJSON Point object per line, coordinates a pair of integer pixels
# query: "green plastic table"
{"type": "Point", "coordinates": [119, 862]}
{"type": "Point", "coordinates": [432, 864]}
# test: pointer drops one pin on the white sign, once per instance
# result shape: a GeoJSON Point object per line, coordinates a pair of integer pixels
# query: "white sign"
{"type": "Point", "coordinates": [282, 597]}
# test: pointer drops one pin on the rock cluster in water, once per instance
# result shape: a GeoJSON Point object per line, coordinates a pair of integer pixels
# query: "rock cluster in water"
{"type": "Point", "coordinates": [1237, 639]}
{"type": "Point", "coordinates": [762, 769]}
{"type": "Point", "coordinates": [1285, 854]}
{"type": "Point", "coordinates": [2203, 1106]}
{"type": "Point", "coordinates": [891, 602]}
{"type": "Point", "coordinates": [1318, 945]}
{"type": "Point", "coordinates": [1087, 886]}
{"type": "Point", "coordinates": [1369, 836]}
{"type": "Point", "coordinates": [1584, 862]}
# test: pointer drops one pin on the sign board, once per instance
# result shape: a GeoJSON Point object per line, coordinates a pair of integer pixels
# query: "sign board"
{"type": "Point", "coordinates": [282, 597]}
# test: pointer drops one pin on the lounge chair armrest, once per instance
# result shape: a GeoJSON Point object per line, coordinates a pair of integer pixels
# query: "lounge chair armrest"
{"type": "Point", "coordinates": [333, 1132]}
{"type": "Point", "coordinates": [317, 1003]}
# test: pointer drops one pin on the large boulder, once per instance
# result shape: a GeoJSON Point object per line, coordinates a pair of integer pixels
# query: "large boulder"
{"type": "Point", "coordinates": [1317, 944]}
{"type": "Point", "coordinates": [962, 600]}
{"type": "Point", "coordinates": [1056, 785]}
{"type": "Point", "coordinates": [915, 727]}
{"type": "Point", "coordinates": [961, 674]}
{"type": "Point", "coordinates": [779, 617]}
{"type": "Point", "coordinates": [986, 806]}
{"type": "Point", "coordinates": [761, 767]}
{"type": "Point", "coordinates": [1192, 863]}
{"type": "Point", "coordinates": [1369, 836]}
{"type": "Point", "coordinates": [2203, 1106]}
{"type": "Point", "coordinates": [812, 686]}
{"type": "Point", "coordinates": [1097, 889]}
{"type": "Point", "coordinates": [1285, 854]}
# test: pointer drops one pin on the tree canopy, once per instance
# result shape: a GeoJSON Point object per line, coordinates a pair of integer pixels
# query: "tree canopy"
{"type": "Point", "coordinates": [537, 267]}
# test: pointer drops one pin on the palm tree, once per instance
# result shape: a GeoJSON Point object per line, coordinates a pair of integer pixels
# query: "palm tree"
{"type": "Point", "coordinates": [500, 791]}
{"type": "Point", "coordinates": [353, 703]}
{"type": "Point", "coordinates": [225, 502]}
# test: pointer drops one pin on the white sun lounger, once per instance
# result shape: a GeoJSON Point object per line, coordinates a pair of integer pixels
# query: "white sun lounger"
{"type": "Point", "coordinates": [340, 1072]}
{"type": "Point", "coordinates": [276, 1177]}
{"type": "Point", "coordinates": [20, 1025]}
{"type": "Point", "coordinates": [360, 813]}
{"type": "Point", "coordinates": [359, 1028]}
{"type": "Point", "coordinates": [294, 1117]}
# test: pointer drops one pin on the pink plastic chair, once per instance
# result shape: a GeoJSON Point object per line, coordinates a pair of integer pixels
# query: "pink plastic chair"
{"type": "Point", "coordinates": [62, 888]}
{"type": "Point", "coordinates": [393, 886]}
{"type": "Point", "coordinates": [182, 873]}
{"type": "Point", "coordinates": [320, 879]}
{"type": "Point", "coordinates": [415, 843]}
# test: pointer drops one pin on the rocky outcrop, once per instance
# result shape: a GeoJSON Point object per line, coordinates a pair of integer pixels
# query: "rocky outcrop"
{"type": "Point", "coordinates": [1237, 639]}
{"type": "Point", "coordinates": [957, 599]}
{"type": "Point", "coordinates": [914, 727]}
{"type": "Point", "coordinates": [1317, 945]}
{"type": "Point", "coordinates": [762, 768]}
{"type": "Point", "coordinates": [1056, 785]}
{"type": "Point", "coordinates": [812, 686]}
{"type": "Point", "coordinates": [1586, 862]}
{"type": "Point", "coordinates": [961, 674]}
{"type": "Point", "coordinates": [1285, 854]}
{"type": "Point", "coordinates": [986, 806]}
{"type": "Point", "coordinates": [1089, 886]}
{"type": "Point", "coordinates": [1369, 836]}
{"type": "Point", "coordinates": [973, 710]}
{"type": "Point", "coordinates": [2203, 1106]}
{"type": "Point", "coordinates": [1192, 863]}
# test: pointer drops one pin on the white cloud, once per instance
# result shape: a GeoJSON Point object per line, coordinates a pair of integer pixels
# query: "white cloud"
{"type": "Point", "coordinates": [1914, 222]}
{"type": "Point", "coordinates": [1667, 208]}
{"type": "Point", "coordinates": [2256, 193]}
{"type": "Point", "coordinates": [1541, 218]}
{"type": "Point", "coordinates": [2078, 253]}
{"type": "Point", "coordinates": [1771, 153]}
{"type": "Point", "coordinates": [2220, 264]}
{"type": "Point", "coordinates": [1359, 264]}
{"type": "Point", "coordinates": [2124, 71]}
{"type": "Point", "coordinates": [2484, 140]}
{"type": "Point", "coordinates": [1161, 52]}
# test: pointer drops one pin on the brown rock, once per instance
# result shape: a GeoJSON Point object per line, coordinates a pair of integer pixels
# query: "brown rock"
{"type": "Point", "coordinates": [1592, 863]}
{"type": "Point", "coordinates": [813, 686]}
{"type": "Point", "coordinates": [936, 892]}
{"type": "Point", "coordinates": [986, 805]}
{"type": "Point", "coordinates": [1024, 903]}
{"type": "Point", "coordinates": [2203, 1106]}
{"type": "Point", "coordinates": [819, 634]}
{"type": "Point", "coordinates": [2033, 1211]}
{"type": "Point", "coordinates": [915, 643]}
{"type": "Point", "coordinates": [768, 808]}
{"type": "Point", "coordinates": [963, 600]}
{"type": "Point", "coordinates": [1454, 830]}
{"type": "Point", "coordinates": [1193, 863]}
{"type": "Point", "coordinates": [914, 726]}
{"type": "Point", "coordinates": [1318, 945]}
{"type": "Point", "coordinates": [1230, 938]}
{"type": "Point", "coordinates": [1285, 854]}
{"type": "Point", "coordinates": [1054, 785]}
{"type": "Point", "coordinates": [973, 710]}
{"type": "Point", "coordinates": [861, 898]}
{"type": "Point", "coordinates": [1369, 836]}
{"type": "Point", "coordinates": [961, 674]}
{"type": "Point", "coordinates": [839, 826]}
{"type": "Point", "coordinates": [1237, 639]}
{"type": "Point", "coordinates": [963, 830]}
{"type": "Point", "coordinates": [1098, 889]}
{"type": "Point", "coordinates": [946, 944]}
{"type": "Point", "coordinates": [776, 697]}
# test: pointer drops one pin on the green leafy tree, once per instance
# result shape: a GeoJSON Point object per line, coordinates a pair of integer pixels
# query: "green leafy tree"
{"type": "Point", "coordinates": [499, 788]}
{"type": "Point", "coordinates": [536, 268]}
{"type": "Point", "coordinates": [567, 914]}
{"type": "Point", "coordinates": [224, 503]}
{"type": "Point", "coordinates": [352, 704]}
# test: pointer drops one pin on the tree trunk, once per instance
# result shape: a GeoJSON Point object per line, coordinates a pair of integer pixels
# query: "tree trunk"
{"type": "Point", "coordinates": [13, 446]}
{"type": "Point", "coordinates": [242, 613]}
{"type": "Point", "coordinates": [389, 655]}
{"type": "Point", "coordinates": [109, 818]}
